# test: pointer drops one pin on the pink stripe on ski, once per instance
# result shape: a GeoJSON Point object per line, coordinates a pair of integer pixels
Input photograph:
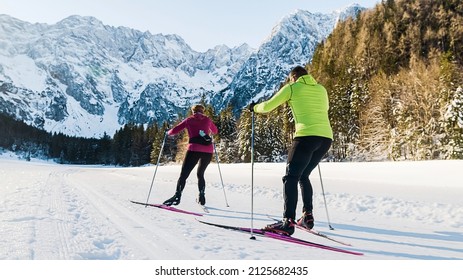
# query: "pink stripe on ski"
{"type": "Point", "coordinates": [169, 208]}
{"type": "Point", "coordinates": [310, 244]}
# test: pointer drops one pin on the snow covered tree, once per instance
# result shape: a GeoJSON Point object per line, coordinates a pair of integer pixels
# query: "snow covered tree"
{"type": "Point", "coordinates": [452, 81]}
{"type": "Point", "coordinates": [454, 118]}
{"type": "Point", "coordinates": [158, 138]}
{"type": "Point", "coordinates": [244, 136]}
{"type": "Point", "coordinates": [272, 135]}
{"type": "Point", "coordinates": [271, 141]}
{"type": "Point", "coordinates": [226, 140]}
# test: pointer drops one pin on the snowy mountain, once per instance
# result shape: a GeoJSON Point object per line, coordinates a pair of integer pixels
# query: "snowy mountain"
{"type": "Point", "coordinates": [292, 42]}
{"type": "Point", "coordinates": [81, 77]}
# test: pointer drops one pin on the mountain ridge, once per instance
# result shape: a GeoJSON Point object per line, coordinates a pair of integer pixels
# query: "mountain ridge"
{"type": "Point", "coordinates": [82, 77]}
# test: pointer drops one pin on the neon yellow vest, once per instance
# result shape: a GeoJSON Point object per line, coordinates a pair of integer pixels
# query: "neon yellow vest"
{"type": "Point", "coordinates": [309, 105]}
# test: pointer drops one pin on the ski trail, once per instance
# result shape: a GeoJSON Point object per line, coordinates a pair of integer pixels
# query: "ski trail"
{"type": "Point", "coordinates": [139, 232]}
{"type": "Point", "coordinates": [57, 220]}
{"type": "Point", "coordinates": [38, 216]}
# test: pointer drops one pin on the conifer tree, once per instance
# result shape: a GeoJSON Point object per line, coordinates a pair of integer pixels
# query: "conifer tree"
{"type": "Point", "coordinates": [226, 140]}
{"type": "Point", "coordinates": [159, 133]}
{"type": "Point", "coordinates": [244, 136]}
{"type": "Point", "coordinates": [452, 81]}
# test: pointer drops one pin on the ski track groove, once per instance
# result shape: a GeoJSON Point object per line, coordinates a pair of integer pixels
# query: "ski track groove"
{"type": "Point", "coordinates": [148, 239]}
{"type": "Point", "coordinates": [56, 208]}
{"type": "Point", "coordinates": [57, 220]}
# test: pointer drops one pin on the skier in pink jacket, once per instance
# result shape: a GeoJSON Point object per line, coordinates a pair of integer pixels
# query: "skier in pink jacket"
{"type": "Point", "coordinates": [200, 149]}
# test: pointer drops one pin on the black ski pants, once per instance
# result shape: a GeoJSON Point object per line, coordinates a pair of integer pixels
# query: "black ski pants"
{"type": "Point", "coordinates": [305, 154]}
{"type": "Point", "coordinates": [191, 159]}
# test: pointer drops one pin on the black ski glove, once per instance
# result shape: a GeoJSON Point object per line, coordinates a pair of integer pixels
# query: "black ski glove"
{"type": "Point", "coordinates": [251, 106]}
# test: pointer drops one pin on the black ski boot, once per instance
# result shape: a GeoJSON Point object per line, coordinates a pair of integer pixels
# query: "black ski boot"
{"type": "Point", "coordinates": [306, 220]}
{"type": "Point", "coordinates": [201, 198]}
{"type": "Point", "coordinates": [285, 227]}
{"type": "Point", "coordinates": [175, 200]}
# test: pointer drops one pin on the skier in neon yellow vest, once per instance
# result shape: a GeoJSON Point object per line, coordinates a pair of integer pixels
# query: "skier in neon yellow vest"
{"type": "Point", "coordinates": [313, 137]}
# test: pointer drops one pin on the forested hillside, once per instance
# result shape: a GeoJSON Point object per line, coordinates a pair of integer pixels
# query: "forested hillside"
{"type": "Point", "coordinates": [395, 80]}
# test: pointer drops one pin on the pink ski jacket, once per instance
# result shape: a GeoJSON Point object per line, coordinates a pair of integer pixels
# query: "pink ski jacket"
{"type": "Point", "coordinates": [194, 124]}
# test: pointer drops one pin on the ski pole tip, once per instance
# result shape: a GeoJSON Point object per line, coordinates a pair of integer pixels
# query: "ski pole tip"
{"type": "Point", "coordinates": [253, 237]}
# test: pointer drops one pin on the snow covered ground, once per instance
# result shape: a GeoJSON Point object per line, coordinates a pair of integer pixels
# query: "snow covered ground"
{"type": "Point", "coordinates": [386, 210]}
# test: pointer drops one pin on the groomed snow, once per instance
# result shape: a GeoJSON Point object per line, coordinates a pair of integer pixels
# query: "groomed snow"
{"type": "Point", "coordinates": [386, 210]}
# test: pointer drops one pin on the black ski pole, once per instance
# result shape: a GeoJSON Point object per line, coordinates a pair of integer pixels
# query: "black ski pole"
{"type": "Point", "coordinates": [156, 169]}
{"type": "Point", "coordinates": [252, 174]}
{"type": "Point", "coordinates": [220, 173]}
{"type": "Point", "coordinates": [324, 198]}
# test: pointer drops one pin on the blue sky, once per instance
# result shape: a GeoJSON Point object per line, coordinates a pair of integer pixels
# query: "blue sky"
{"type": "Point", "coordinates": [203, 24]}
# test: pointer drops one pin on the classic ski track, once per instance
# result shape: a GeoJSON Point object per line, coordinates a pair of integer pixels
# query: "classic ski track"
{"type": "Point", "coordinates": [57, 208]}
{"type": "Point", "coordinates": [54, 222]}
{"type": "Point", "coordinates": [147, 238]}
